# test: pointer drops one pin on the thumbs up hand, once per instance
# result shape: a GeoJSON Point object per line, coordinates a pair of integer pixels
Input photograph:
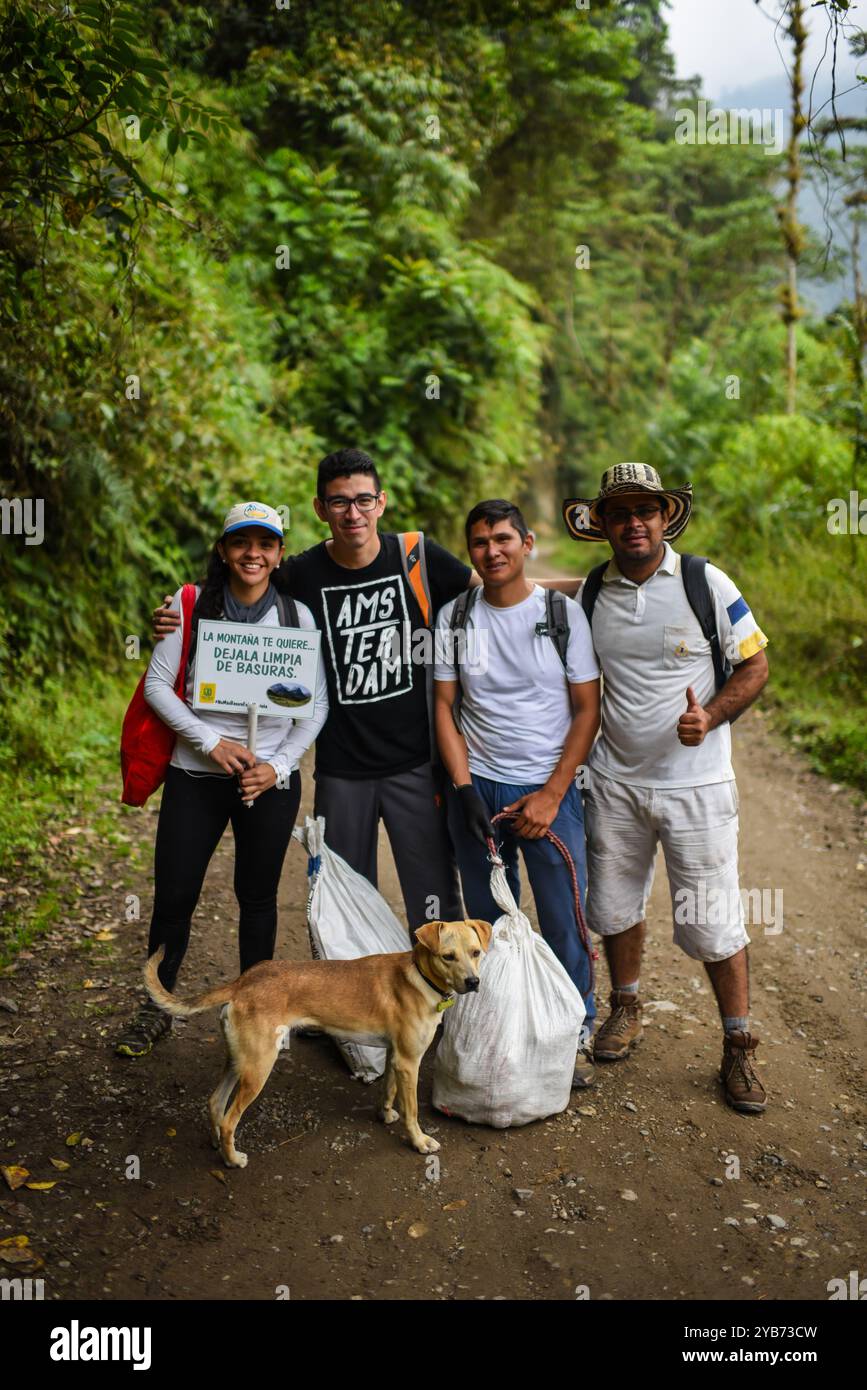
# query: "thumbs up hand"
{"type": "Point", "coordinates": [695, 723]}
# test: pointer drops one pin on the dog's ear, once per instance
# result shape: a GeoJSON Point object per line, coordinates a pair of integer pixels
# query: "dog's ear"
{"type": "Point", "coordinates": [484, 931]}
{"type": "Point", "coordinates": [429, 936]}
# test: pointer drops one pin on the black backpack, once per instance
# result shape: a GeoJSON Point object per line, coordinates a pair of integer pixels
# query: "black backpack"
{"type": "Point", "coordinates": [554, 625]}
{"type": "Point", "coordinates": [693, 573]}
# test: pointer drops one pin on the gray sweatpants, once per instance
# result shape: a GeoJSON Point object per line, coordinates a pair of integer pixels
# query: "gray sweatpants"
{"type": "Point", "coordinates": [412, 808]}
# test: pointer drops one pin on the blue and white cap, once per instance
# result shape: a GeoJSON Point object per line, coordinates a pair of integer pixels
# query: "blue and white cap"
{"type": "Point", "coordinates": [253, 514]}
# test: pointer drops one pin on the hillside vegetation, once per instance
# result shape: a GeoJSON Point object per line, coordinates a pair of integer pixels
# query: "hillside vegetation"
{"type": "Point", "coordinates": [464, 237]}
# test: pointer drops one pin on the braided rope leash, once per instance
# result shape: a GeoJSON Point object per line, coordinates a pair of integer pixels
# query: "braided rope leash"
{"type": "Point", "coordinates": [580, 920]}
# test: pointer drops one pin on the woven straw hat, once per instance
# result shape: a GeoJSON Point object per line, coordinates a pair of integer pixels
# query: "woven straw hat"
{"type": "Point", "coordinates": [581, 514]}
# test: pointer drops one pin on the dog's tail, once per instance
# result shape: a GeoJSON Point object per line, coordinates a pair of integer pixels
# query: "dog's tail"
{"type": "Point", "coordinates": [182, 1008]}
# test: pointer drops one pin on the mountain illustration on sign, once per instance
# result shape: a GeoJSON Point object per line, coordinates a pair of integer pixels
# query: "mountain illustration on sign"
{"type": "Point", "coordinates": [290, 695]}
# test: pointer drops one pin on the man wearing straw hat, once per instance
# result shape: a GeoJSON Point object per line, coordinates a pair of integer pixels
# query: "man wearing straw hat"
{"type": "Point", "coordinates": [681, 657]}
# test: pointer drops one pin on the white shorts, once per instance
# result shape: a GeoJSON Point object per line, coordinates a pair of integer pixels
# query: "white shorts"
{"type": "Point", "coordinates": [698, 829]}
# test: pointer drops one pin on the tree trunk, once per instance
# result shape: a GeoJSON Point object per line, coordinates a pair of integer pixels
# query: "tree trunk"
{"type": "Point", "coordinates": [859, 323]}
{"type": "Point", "coordinates": [791, 228]}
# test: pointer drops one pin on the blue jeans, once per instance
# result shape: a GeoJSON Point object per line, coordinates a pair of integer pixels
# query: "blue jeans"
{"type": "Point", "coordinates": [547, 871]}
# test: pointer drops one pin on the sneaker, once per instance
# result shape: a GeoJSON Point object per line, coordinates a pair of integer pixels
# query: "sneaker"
{"type": "Point", "coordinates": [149, 1025]}
{"type": "Point", "coordinates": [621, 1030]}
{"type": "Point", "coordinates": [743, 1089]}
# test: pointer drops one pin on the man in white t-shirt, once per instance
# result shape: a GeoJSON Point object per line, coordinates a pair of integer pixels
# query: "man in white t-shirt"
{"type": "Point", "coordinates": [528, 717]}
{"type": "Point", "coordinates": [661, 770]}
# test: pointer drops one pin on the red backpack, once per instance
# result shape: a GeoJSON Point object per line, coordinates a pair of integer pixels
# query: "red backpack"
{"type": "Point", "coordinates": [146, 743]}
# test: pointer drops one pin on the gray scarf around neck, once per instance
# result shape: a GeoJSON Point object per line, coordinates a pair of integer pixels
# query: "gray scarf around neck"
{"type": "Point", "coordinates": [236, 612]}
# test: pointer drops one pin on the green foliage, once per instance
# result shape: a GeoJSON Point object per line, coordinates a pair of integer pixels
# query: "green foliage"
{"type": "Point", "coordinates": [57, 746]}
{"type": "Point", "coordinates": [82, 88]}
{"type": "Point", "coordinates": [134, 489]}
{"type": "Point", "coordinates": [763, 484]}
{"type": "Point", "coordinates": [812, 603]}
{"type": "Point", "coordinates": [346, 223]}
{"type": "Point", "coordinates": [58, 763]}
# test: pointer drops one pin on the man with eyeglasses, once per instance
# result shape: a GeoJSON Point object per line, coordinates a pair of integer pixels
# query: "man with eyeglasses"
{"type": "Point", "coordinates": [373, 755]}
{"type": "Point", "coordinates": [681, 656]}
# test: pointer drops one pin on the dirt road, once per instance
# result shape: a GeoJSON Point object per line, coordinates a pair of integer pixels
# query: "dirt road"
{"type": "Point", "coordinates": [647, 1187]}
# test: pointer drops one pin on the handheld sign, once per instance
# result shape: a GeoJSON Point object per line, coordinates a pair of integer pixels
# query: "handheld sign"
{"type": "Point", "coordinates": [244, 664]}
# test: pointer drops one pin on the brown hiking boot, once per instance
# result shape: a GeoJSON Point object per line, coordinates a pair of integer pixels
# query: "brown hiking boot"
{"type": "Point", "coordinates": [743, 1089]}
{"type": "Point", "coordinates": [621, 1030]}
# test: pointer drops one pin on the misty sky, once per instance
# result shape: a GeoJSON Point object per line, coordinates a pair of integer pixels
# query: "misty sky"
{"type": "Point", "coordinates": [730, 43]}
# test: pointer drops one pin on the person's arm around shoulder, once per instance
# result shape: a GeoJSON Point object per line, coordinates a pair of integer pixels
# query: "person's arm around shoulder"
{"type": "Point", "coordinates": [447, 575]}
{"type": "Point", "coordinates": [564, 584]}
{"type": "Point", "coordinates": [167, 617]}
{"type": "Point", "coordinates": [742, 642]}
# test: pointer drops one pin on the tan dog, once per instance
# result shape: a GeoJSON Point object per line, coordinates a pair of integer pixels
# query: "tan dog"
{"type": "Point", "coordinates": [394, 1001]}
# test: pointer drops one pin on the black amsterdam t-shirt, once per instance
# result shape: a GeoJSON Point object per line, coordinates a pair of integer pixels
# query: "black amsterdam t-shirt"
{"type": "Point", "coordinates": [377, 722]}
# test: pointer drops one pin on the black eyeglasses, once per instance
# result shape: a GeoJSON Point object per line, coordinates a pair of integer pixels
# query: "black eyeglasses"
{"type": "Point", "coordinates": [619, 515]}
{"type": "Point", "coordinates": [364, 501]}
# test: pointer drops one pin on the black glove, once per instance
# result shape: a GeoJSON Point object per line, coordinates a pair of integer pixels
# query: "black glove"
{"type": "Point", "coordinates": [476, 815]}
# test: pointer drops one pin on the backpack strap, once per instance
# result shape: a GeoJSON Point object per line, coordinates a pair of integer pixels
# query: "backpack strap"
{"type": "Point", "coordinates": [590, 589]}
{"type": "Point", "coordinates": [412, 558]}
{"type": "Point", "coordinates": [463, 605]}
{"type": "Point", "coordinates": [414, 564]}
{"type": "Point", "coordinates": [555, 625]}
{"type": "Point", "coordinates": [287, 611]}
{"type": "Point", "coordinates": [458, 623]}
{"type": "Point", "coordinates": [693, 571]}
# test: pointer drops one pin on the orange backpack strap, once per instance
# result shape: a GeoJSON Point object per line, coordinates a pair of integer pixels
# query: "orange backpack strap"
{"type": "Point", "coordinates": [412, 558]}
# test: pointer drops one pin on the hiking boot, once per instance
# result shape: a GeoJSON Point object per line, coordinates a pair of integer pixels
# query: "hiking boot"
{"type": "Point", "coordinates": [584, 1074]}
{"type": "Point", "coordinates": [149, 1025]}
{"type": "Point", "coordinates": [743, 1089]}
{"type": "Point", "coordinates": [621, 1030]}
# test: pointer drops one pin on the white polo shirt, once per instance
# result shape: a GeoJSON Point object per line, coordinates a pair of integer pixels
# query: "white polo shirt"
{"type": "Point", "coordinates": [650, 648]}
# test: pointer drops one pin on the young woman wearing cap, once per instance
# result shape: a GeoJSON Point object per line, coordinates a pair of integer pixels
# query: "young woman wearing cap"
{"type": "Point", "coordinates": [213, 774]}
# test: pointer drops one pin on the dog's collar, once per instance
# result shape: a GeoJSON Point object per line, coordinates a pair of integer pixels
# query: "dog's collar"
{"type": "Point", "coordinates": [446, 999]}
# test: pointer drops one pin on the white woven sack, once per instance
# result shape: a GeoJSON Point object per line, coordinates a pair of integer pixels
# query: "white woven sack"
{"type": "Point", "coordinates": [347, 918]}
{"type": "Point", "coordinates": [507, 1054]}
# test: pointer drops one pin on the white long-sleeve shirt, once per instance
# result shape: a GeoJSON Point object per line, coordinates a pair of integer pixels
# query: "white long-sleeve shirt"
{"type": "Point", "coordinates": [281, 742]}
